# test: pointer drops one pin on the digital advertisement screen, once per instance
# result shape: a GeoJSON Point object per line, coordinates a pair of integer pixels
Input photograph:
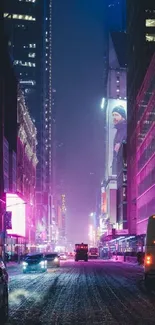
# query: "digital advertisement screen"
{"type": "Point", "coordinates": [18, 208]}
{"type": "Point", "coordinates": [116, 121]}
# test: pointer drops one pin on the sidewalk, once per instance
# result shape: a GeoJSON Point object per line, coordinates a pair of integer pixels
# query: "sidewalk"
{"type": "Point", "coordinates": [128, 263]}
{"type": "Point", "coordinates": [12, 265]}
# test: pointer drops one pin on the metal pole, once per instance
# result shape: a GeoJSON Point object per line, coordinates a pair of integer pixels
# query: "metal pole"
{"type": "Point", "coordinates": [4, 236]}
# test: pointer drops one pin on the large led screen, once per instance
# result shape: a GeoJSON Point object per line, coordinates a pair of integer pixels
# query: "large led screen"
{"type": "Point", "coordinates": [17, 206]}
{"type": "Point", "coordinates": [116, 121]}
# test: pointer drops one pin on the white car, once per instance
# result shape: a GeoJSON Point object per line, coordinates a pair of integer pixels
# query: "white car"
{"type": "Point", "coordinates": [53, 260]}
{"type": "Point", "coordinates": [63, 256]}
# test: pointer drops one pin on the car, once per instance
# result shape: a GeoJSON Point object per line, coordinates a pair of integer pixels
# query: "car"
{"type": "Point", "coordinates": [53, 260]}
{"type": "Point", "coordinates": [3, 293]}
{"type": "Point", "coordinates": [149, 259]}
{"type": "Point", "coordinates": [63, 256]}
{"type": "Point", "coordinates": [35, 263]}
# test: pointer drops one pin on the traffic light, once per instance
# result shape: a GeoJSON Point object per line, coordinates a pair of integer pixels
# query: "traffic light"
{"type": "Point", "coordinates": [8, 220]}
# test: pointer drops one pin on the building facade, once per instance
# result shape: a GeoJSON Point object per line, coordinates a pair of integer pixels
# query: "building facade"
{"type": "Point", "coordinates": [29, 29]}
{"type": "Point", "coordinates": [44, 197]}
{"type": "Point", "coordinates": [26, 166]}
{"type": "Point", "coordinates": [21, 27]}
{"type": "Point", "coordinates": [8, 125]}
{"type": "Point", "coordinates": [116, 116]}
{"type": "Point", "coordinates": [141, 46]}
{"type": "Point", "coordinates": [145, 150]}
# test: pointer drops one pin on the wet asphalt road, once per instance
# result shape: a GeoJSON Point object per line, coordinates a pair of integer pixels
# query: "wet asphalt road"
{"type": "Point", "coordinates": [97, 292]}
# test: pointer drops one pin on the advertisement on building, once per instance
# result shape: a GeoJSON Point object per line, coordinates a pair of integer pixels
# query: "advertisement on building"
{"type": "Point", "coordinates": [117, 132]}
{"type": "Point", "coordinates": [103, 201]}
{"type": "Point", "coordinates": [17, 206]}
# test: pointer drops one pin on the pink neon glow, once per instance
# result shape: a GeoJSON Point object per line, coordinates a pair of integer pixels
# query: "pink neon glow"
{"type": "Point", "coordinates": [17, 206]}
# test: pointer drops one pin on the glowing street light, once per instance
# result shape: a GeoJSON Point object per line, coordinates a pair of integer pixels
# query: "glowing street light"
{"type": "Point", "coordinates": [103, 103]}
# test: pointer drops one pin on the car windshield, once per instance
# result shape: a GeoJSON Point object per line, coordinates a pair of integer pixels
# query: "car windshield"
{"type": "Point", "coordinates": [34, 257]}
{"type": "Point", "coordinates": [51, 255]}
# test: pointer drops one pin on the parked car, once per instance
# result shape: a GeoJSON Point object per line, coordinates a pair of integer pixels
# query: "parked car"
{"type": "Point", "coordinates": [3, 293]}
{"type": "Point", "coordinates": [53, 260]}
{"type": "Point", "coordinates": [35, 263]}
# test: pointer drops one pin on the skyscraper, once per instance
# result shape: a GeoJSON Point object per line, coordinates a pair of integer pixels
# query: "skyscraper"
{"type": "Point", "coordinates": [29, 30]}
{"type": "Point", "coordinates": [21, 28]}
{"type": "Point", "coordinates": [141, 46]}
{"type": "Point", "coordinates": [44, 206]}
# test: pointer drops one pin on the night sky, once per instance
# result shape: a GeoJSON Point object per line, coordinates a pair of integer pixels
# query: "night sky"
{"type": "Point", "coordinates": [78, 47]}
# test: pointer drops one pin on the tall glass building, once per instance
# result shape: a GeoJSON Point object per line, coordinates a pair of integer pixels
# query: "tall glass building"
{"type": "Point", "coordinates": [29, 29]}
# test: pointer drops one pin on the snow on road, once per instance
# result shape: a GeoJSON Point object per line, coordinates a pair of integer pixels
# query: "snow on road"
{"type": "Point", "coordinates": [92, 293]}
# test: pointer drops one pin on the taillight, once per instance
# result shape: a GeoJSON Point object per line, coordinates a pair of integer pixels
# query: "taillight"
{"type": "Point", "coordinates": [148, 259]}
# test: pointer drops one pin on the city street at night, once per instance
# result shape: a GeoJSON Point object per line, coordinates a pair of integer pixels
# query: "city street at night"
{"type": "Point", "coordinates": [97, 292]}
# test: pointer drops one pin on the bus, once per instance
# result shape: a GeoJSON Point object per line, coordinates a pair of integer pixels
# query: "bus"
{"type": "Point", "coordinates": [149, 261]}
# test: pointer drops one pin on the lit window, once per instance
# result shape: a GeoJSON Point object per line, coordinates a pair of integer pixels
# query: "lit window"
{"type": "Point", "coordinates": [150, 37]}
{"type": "Point", "coordinates": [24, 64]}
{"type": "Point", "coordinates": [31, 55]}
{"type": "Point", "coordinates": [20, 17]}
{"type": "Point", "coordinates": [33, 1]}
{"type": "Point", "coordinates": [28, 82]}
{"type": "Point", "coordinates": [150, 22]}
{"type": "Point", "coordinates": [32, 46]}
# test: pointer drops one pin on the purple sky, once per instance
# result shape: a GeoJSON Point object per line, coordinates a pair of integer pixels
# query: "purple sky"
{"type": "Point", "coordinates": [78, 78]}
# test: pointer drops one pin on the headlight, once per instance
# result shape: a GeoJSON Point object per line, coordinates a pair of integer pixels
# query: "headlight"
{"type": "Point", "coordinates": [25, 263]}
{"type": "Point", "coordinates": [42, 263]}
{"type": "Point", "coordinates": [56, 259]}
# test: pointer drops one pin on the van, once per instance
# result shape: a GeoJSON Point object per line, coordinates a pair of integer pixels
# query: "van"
{"type": "Point", "coordinates": [149, 260]}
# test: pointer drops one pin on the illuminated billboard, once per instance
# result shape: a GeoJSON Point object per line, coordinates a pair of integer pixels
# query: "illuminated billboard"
{"type": "Point", "coordinates": [103, 201]}
{"type": "Point", "coordinates": [17, 206]}
{"type": "Point", "coordinates": [116, 117]}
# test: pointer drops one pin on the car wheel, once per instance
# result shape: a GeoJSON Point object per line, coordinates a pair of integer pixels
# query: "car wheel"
{"type": "Point", "coordinates": [5, 308]}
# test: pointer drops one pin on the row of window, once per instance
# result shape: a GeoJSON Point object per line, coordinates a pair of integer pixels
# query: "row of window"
{"type": "Point", "coordinates": [150, 23]}
{"type": "Point", "coordinates": [33, 1]}
{"type": "Point", "coordinates": [147, 182]}
{"type": "Point", "coordinates": [148, 152]}
{"type": "Point", "coordinates": [150, 37]}
{"type": "Point", "coordinates": [146, 210]}
{"type": "Point", "coordinates": [28, 82]}
{"type": "Point", "coordinates": [122, 194]}
{"type": "Point", "coordinates": [145, 126]}
{"type": "Point", "coordinates": [20, 17]}
{"type": "Point", "coordinates": [24, 64]}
